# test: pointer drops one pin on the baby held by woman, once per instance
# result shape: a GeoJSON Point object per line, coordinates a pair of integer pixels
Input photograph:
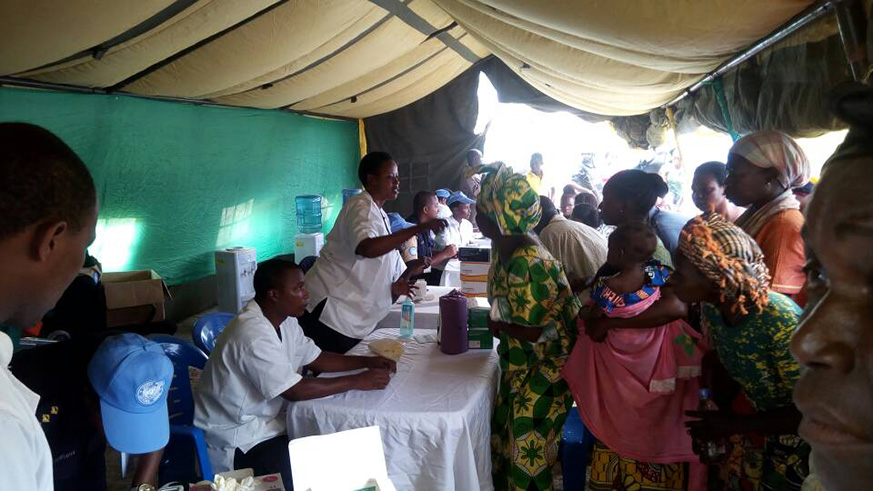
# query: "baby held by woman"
{"type": "Point", "coordinates": [633, 385]}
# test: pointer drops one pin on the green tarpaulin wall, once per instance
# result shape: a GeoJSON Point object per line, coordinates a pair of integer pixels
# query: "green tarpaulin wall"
{"type": "Point", "coordinates": [179, 181]}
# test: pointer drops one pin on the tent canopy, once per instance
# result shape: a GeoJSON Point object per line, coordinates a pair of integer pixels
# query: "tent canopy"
{"type": "Point", "coordinates": [358, 58]}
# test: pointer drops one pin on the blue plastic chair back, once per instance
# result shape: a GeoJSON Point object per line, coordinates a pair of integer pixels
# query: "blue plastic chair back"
{"type": "Point", "coordinates": [184, 458]}
{"type": "Point", "coordinates": [207, 328]}
{"type": "Point", "coordinates": [576, 445]}
{"type": "Point", "coordinates": [306, 263]}
{"type": "Point", "coordinates": [180, 401]}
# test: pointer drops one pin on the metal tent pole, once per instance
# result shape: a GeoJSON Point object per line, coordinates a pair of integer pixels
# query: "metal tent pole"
{"type": "Point", "coordinates": [850, 19]}
{"type": "Point", "coordinates": [810, 15]}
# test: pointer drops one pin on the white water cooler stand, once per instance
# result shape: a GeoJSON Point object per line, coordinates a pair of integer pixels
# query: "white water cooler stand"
{"type": "Point", "coordinates": [306, 245]}
{"type": "Point", "coordinates": [234, 278]}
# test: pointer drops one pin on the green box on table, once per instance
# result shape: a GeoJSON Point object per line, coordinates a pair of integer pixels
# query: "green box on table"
{"type": "Point", "coordinates": [477, 317]}
{"type": "Point", "coordinates": [480, 338]}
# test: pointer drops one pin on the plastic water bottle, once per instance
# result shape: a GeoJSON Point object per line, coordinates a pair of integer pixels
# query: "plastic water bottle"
{"type": "Point", "coordinates": [407, 319]}
{"type": "Point", "coordinates": [711, 451]}
{"type": "Point", "coordinates": [348, 193]}
{"type": "Point", "coordinates": [308, 213]}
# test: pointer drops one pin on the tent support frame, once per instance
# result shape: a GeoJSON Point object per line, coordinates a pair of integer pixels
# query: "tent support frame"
{"type": "Point", "coordinates": [849, 30]}
{"type": "Point", "coordinates": [36, 84]}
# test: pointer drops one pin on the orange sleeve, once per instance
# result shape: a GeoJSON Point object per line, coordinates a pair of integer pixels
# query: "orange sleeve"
{"type": "Point", "coordinates": [782, 245]}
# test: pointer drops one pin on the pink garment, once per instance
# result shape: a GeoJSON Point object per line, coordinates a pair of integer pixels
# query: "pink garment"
{"type": "Point", "coordinates": [633, 389]}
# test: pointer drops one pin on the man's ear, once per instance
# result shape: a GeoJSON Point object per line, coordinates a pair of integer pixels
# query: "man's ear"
{"type": "Point", "coordinates": [47, 238]}
{"type": "Point", "coordinates": [272, 294]}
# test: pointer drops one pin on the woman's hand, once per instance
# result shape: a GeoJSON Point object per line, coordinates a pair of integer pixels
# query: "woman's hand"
{"type": "Point", "coordinates": [597, 325]}
{"type": "Point", "coordinates": [494, 327]}
{"type": "Point", "coordinates": [587, 312]}
{"type": "Point", "coordinates": [597, 328]}
{"type": "Point", "coordinates": [713, 425]}
{"type": "Point", "coordinates": [579, 285]}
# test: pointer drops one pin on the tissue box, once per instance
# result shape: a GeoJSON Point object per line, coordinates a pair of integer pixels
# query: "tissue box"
{"type": "Point", "coordinates": [479, 338]}
{"type": "Point", "coordinates": [269, 482]}
{"type": "Point", "coordinates": [478, 317]}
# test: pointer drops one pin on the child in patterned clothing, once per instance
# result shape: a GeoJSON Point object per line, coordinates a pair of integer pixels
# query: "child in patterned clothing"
{"type": "Point", "coordinates": [632, 386]}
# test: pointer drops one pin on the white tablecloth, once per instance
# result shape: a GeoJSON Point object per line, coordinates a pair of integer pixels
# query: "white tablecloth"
{"type": "Point", "coordinates": [427, 312]}
{"type": "Point", "coordinates": [434, 415]}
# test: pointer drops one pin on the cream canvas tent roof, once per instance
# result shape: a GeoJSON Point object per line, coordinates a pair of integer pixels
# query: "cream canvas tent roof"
{"type": "Point", "coordinates": [357, 58]}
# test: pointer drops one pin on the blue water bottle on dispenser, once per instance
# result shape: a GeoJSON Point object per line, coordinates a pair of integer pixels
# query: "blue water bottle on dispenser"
{"type": "Point", "coordinates": [348, 193]}
{"type": "Point", "coordinates": [308, 213]}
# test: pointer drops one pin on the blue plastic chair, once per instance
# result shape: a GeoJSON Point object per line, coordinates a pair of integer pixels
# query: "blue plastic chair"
{"type": "Point", "coordinates": [306, 263]}
{"type": "Point", "coordinates": [207, 328]}
{"type": "Point", "coordinates": [576, 445]}
{"type": "Point", "coordinates": [185, 455]}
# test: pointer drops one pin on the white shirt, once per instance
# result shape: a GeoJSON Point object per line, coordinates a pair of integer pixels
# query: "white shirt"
{"type": "Point", "coordinates": [460, 233]}
{"type": "Point", "coordinates": [580, 248]}
{"type": "Point", "coordinates": [25, 456]}
{"type": "Point", "coordinates": [238, 401]}
{"type": "Point", "coordinates": [357, 288]}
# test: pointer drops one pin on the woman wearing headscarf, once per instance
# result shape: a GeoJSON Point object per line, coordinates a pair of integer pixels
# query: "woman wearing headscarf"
{"type": "Point", "coordinates": [835, 341]}
{"type": "Point", "coordinates": [533, 312]}
{"type": "Point", "coordinates": [722, 268]}
{"type": "Point", "coordinates": [763, 168]}
{"type": "Point", "coordinates": [630, 196]}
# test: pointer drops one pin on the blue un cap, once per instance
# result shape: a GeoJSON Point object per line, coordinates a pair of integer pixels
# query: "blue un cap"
{"type": "Point", "coordinates": [443, 193]}
{"type": "Point", "coordinates": [398, 223]}
{"type": "Point", "coordinates": [460, 197]}
{"type": "Point", "coordinates": [132, 376]}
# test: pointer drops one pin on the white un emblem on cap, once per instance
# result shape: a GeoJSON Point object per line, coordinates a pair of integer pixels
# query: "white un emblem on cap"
{"type": "Point", "coordinates": [149, 392]}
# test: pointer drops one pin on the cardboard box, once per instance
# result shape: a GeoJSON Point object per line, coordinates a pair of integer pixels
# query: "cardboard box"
{"type": "Point", "coordinates": [471, 271]}
{"type": "Point", "coordinates": [134, 297]}
{"type": "Point", "coordinates": [474, 254]}
{"type": "Point", "coordinates": [474, 288]}
{"type": "Point", "coordinates": [478, 338]}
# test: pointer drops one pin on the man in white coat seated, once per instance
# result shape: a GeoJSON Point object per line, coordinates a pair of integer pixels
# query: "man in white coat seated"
{"type": "Point", "coordinates": [255, 370]}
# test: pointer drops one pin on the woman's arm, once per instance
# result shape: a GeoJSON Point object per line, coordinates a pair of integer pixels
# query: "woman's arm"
{"type": "Point", "coordinates": [667, 309]}
{"type": "Point", "coordinates": [524, 333]}
{"type": "Point", "coordinates": [379, 246]}
{"type": "Point", "coordinates": [720, 424]}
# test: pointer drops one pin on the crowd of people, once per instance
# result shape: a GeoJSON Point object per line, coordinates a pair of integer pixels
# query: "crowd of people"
{"type": "Point", "coordinates": [628, 311]}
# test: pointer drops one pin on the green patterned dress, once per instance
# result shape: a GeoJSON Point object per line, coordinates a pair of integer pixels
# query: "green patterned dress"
{"type": "Point", "coordinates": [533, 400]}
{"type": "Point", "coordinates": [756, 354]}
